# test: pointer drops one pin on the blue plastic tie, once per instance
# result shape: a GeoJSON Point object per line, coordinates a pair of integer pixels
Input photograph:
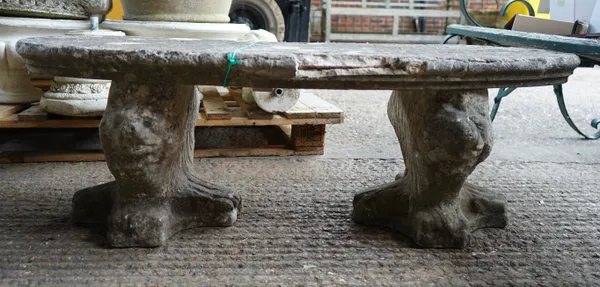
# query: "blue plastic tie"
{"type": "Point", "coordinates": [233, 61]}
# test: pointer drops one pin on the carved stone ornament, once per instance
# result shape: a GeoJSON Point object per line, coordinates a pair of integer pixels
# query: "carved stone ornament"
{"type": "Point", "coordinates": [76, 97]}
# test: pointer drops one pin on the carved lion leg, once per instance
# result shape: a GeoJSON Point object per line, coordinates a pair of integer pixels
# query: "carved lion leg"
{"type": "Point", "coordinates": [444, 135]}
{"type": "Point", "coordinates": [147, 137]}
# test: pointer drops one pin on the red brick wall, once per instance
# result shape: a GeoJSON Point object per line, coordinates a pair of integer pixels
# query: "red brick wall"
{"type": "Point", "coordinates": [383, 24]}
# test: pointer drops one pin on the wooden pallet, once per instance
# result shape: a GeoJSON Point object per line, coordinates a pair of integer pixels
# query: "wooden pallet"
{"type": "Point", "coordinates": [29, 134]}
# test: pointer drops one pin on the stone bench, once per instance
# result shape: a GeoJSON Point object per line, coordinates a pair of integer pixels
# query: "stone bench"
{"type": "Point", "coordinates": [439, 110]}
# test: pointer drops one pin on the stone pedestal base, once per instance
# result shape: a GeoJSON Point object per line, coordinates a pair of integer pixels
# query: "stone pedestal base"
{"type": "Point", "coordinates": [76, 97]}
{"type": "Point", "coordinates": [444, 135]}
{"type": "Point", "coordinates": [16, 88]}
{"type": "Point", "coordinates": [147, 137]}
{"type": "Point", "coordinates": [200, 11]}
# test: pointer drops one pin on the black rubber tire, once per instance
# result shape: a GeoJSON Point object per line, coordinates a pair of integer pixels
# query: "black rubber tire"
{"type": "Point", "coordinates": [264, 14]}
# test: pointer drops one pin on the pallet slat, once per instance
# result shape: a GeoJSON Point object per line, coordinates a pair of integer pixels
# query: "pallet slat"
{"type": "Point", "coordinates": [300, 111]}
{"type": "Point", "coordinates": [251, 109]}
{"type": "Point", "coordinates": [214, 106]}
{"type": "Point", "coordinates": [7, 110]}
{"type": "Point", "coordinates": [44, 85]}
{"type": "Point", "coordinates": [35, 157]}
{"type": "Point", "coordinates": [85, 147]}
{"type": "Point", "coordinates": [309, 110]}
{"type": "Point", "coordinates": [299, 131]}
{"type": "Point", "coordinates": [325, 109]}
{"type": "Point", "coordinates": [275, 121]}
{"type": "Point", "coordinates": [34, 113]}
{"type": "Point", "coordinates": [236, 120]}
{"type": "Point", "coordinates": [11, 122]}
{"type": "Point", "coordinates": [15, 157]}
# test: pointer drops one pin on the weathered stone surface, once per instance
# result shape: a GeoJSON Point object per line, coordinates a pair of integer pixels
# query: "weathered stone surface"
{"type": "Point", "coordinates": [72, 9]}
{"type": "Point", "coordinates": [299, 65]}
{"type": "Point", "coordinates": [147, 137]}
{"type": "Point", "coordinates": [443, 136]}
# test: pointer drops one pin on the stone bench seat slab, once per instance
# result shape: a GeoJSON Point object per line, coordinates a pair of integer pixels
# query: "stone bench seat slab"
{"type": "Point", "coordinates": [296, 65]}
{"type": "Point", "coordinates": [439, 111]}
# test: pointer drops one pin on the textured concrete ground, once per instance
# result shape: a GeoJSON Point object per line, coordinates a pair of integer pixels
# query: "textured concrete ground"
{"type": "Point", "coordinates": [295, 228]}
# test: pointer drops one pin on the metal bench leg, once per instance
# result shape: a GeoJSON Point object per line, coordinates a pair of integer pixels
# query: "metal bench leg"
{"type": "Point", "coordinates": [503, 92]}
{"type": "Point", "coordinates": [563, 110]}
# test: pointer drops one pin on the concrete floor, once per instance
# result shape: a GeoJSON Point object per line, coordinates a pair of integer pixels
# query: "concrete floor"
{"type": "Point", "coordinates": [295, 228]}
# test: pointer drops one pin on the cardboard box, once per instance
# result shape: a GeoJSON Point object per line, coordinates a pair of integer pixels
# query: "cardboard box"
{"type": "Point", "coordinates": [546, 26]}
{"type": "Point", "coordinates": [572, 10]}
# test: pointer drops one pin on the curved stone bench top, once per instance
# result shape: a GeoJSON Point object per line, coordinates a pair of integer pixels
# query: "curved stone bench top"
{"type": "Point", "coordinates": [296, 65]}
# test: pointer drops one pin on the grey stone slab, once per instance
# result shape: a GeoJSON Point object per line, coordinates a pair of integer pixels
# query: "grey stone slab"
{"type": "Point", "coordinates": [296, 65]}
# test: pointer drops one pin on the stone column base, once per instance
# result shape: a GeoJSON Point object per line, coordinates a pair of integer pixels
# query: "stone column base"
{"type": "Point", "coordinates": [76, 97]}
{"type": "Point", "coordinates": [16, 88]}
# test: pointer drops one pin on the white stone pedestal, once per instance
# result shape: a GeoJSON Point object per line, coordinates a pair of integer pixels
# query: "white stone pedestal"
{"type": "Point", "coordinates": [76, 97]}
{"type": "Point", "coordinates": [197, 11]}
{"type": "Point", "coordinates": [207, 31]}
{"type": "Point", "coordinates": [15, 83]}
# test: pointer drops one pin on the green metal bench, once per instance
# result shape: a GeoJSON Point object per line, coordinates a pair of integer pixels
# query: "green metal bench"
{"type": "Point", "coordinates": [588, 51]}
